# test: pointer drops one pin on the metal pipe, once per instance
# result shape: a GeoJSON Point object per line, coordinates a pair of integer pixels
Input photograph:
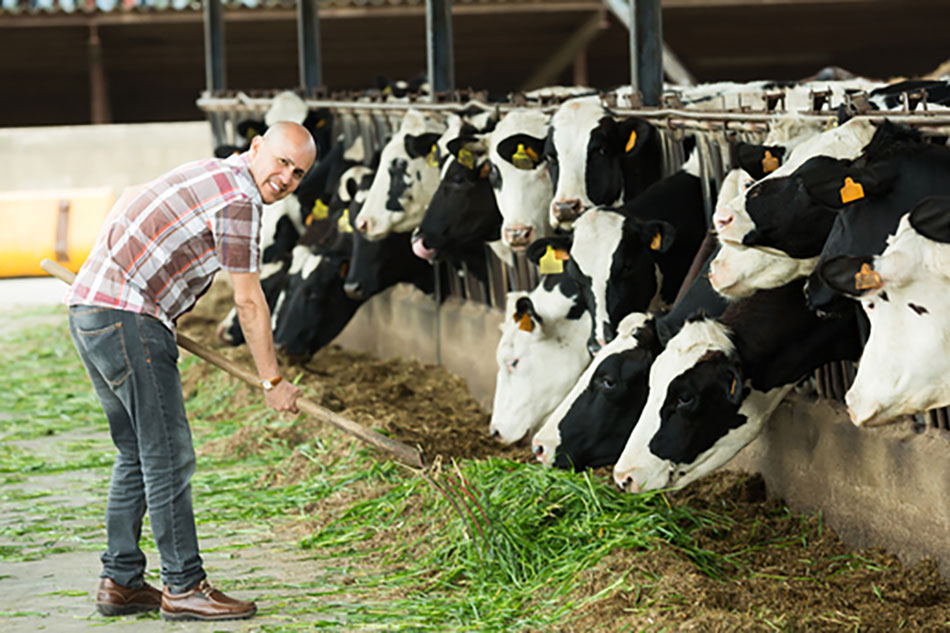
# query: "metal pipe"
{"type": "Point", "coordinates": [214, 46]}
{"type": "Point", "coordinates": [646, 49]}
{"type": "Point", "coordinates": [439, 49]}
{"type": "Point", "coordinates": [308, 46]}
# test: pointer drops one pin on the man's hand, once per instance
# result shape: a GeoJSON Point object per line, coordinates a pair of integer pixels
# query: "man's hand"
{"type": "Point", "coordinates": [283, 397]}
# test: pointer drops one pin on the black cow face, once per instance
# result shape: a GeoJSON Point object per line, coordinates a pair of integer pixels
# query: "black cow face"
{"type": "Point", "coordinates": [596, 427]}
{"type": "Point", "coordinates": [381, 264]}
{"type": "Point", "coordinates": [701, 406]}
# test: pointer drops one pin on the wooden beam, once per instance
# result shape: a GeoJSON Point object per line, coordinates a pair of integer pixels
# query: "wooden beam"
{"type": "Point", "coordinates": [548, 72]}
{"type": "Point", "coordinates": [99, 110]}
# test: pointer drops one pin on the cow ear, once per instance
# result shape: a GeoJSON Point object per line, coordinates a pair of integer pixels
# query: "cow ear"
{"type": "Point", "coordinates": [759, 160]}
{"type": "Point", "coordinates": [931, 218]}
{"type": "Point", "coordinates": [634, 133]}
{"type": "Point", "coordinates": [468, 151]}
{"type": "Point", "coordinates": [657, 235]}
{"type": "Point", "coordinates": [731, 383]}
{"type": "Point", "coordinates": [539, 248]}
{"type": "Point", "coordinates": [525, 315]}
{"type": "Point", "coordinates": [422, 145]}
{"type": "Point", "coordinates": [248, 129]}
{"type": "Point", "coordinates": [850, 275]}
{"type": "Point", "coordinates": [522, 150]}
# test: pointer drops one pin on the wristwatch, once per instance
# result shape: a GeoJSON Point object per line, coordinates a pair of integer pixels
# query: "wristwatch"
{"type": "Point", "coordinates": [270, 384]}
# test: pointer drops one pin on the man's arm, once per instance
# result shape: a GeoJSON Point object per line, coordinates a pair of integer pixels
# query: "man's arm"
{"type": "Point", "coordinates": [255, 323]}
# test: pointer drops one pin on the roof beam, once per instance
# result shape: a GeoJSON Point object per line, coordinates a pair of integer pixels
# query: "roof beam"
{"type": "Point", "coordinates": [548, 72]}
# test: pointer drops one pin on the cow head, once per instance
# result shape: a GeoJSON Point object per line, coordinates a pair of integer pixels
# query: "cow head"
{"type": "Point", "coordinates": [612, 260]}
{"type": "Point", "coordinates": [518, 176]}
{"type": "Point", "coordinates": [698, 414]}
{"type": "Point", "coordinates": [540, 355]}
{"type": "Point", "coordinates": [407, 177]}
{"type": "Point", "coordinates": [595, 159]}
{"type": "Point", "coordinates": [903, 292]}
{"type": "Point", "coordinates": [463, 209]}
{"type": "Point", "coordinates": [591, 425]}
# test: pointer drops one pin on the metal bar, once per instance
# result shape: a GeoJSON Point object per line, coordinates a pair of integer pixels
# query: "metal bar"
{"type": "Point", "coordinates": [646, 49]}
{"type": "Point", "coordinates": [214, 46]}
{"type": "Point", "coordinates": [439, 49]}
{"type": "Point", "coordinates": [308, 46]}
{"type": "Point", "coordinates": [403, 452]}
{"type": "Point", "coordinates": [99, 110]}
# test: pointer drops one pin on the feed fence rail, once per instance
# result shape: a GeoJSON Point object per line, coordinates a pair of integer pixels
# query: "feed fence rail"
{"type": "Point", "coordinates": [374, 119]}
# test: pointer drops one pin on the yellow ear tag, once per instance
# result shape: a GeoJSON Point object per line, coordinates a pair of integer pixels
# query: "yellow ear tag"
{"type": "Point", "coordinates": [525, 323]}
{"type": "Point", "coordinates": [867, 279]}
{"type": "Point", "coordinates": [466, 158]}
{"type": "Point", "coordinates": [732, 389]}
{"type": "Point", "coordinates": [250, 133]}
{"type": "Point", "coordinates": [550, 263]}
{"type": "Point", "coordinates": [631, 142]}
{"type": "Point", "coordinates": [657, 241]}
{"type": "Point", "coordinates": [522, 159]}
{"type": "Point", "coordinates": [769, 163]}
{"type": "Point", "coordinates": [321, 123]}
{"type": "Point", "coordinates": [319, 211]}
{"type": "Point", "coordinates": [343, 224]}
{"type": "Point", "coordinates": [484, 171]}
{"type": "Point", "coordinates": [431, 159]}
{"type": "Point", "coordinates": [851, 191]}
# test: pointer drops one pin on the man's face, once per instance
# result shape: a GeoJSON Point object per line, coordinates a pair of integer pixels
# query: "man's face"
{"type": "Point", "coordinates": [278, 164]}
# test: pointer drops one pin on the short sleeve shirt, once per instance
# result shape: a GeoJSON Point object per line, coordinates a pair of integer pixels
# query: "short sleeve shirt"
{"type": "Point", "coordinates": [158, 254]}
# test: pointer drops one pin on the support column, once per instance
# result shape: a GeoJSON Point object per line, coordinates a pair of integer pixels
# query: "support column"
{"type": "Point", "coordinates": [214, 63]}
{"type": "Point", "coordinates": [646, 49]}
{"type": "Point", "coordinates": [439, 47]}
{"type": "Point", "coordinates": [308, 47]}
{"type": "Point", "coordinates": [99, 110]}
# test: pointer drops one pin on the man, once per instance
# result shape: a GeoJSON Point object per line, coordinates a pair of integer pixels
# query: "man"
{"type": "Point", "coordinates": [155, 255]}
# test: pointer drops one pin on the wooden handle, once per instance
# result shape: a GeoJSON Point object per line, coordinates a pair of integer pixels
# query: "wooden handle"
{"type": "Point", "coordinates": [401, 451]}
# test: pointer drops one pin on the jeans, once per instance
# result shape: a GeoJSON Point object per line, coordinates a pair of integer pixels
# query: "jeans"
{"type": "Point", "coordinates": [132, 360]}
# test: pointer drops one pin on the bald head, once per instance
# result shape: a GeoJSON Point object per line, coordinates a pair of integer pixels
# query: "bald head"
{"type": "Point", "coordinates": [280, 159]}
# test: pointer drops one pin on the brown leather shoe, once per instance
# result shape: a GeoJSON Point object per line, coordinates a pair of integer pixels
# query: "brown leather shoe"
{"type": "Point", "coordinates": [204, 602]}
{"type": "Point", "coordinates": [114, 599]}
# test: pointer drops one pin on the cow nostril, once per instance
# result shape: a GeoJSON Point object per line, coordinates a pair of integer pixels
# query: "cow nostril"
{"type": "Point", "coordinates": [567, 210]}
{"type": "Point", "coordinates": [723, 221]}
{"type": "Point", "coordinates": [538, 450]}
{"type": "Point", "coordinates": [362, 225]}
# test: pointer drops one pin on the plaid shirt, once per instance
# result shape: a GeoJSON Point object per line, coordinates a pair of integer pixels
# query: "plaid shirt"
{"type": "Point", "coordinates": [159, 253]}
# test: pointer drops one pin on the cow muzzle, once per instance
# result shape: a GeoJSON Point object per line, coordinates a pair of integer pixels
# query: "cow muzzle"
{"type": "Point", "coordinates": [354, 290]}
{"type": "Point", "coordinates": [566, 210]}
{"type": "Point", "coordinates": [519, 236]}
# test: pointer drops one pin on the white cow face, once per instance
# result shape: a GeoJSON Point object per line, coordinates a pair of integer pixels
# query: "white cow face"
{"type": "Point", "coordinates": [738, 271]}
{"type": "Point", "coordinates": [407, 177]}
{"type": "Point", "coordinates": [519, 177]}
{"type": "Point", "coordinates": [905, 293]}
{"type": "Point", "coordinates": [541, 353]}
{"type": "Point", "coordinates": [590, 426]}
{"type": "Point", "coordinates": [698, 414]}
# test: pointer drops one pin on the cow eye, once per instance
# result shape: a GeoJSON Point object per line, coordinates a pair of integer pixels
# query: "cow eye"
{"type": "Point", "coordinates": [685, 401]}
{"type": "Point", "coordinates": [605, 383]}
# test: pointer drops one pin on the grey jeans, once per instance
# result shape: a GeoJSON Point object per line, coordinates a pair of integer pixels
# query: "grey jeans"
{"type": "Point", "coordinates": [132, 360]}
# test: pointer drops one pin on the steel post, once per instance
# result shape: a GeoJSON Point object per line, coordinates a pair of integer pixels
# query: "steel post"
{"type": "Point", "coordinates": [646, 49]}
{"type": "Point", "coordinates": [439, 47]}
{"type": "Point", "coordinates": [308, 46]}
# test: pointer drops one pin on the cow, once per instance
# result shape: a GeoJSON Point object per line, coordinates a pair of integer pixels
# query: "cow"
{"type": "Point", "coordinates": [407, 176]}
{"type": "Point", "coordinates": [717, 381]}
{"type": "Point", "coordinates": [904, 294]}
{"type": "Point", "coordinates": [635, 257]}
{"type": "Point", "coordinates": [596, 160]}
{"type": "Point", "coordinates": [591, 425]}
{"type": "Point", "coordinates": [541, 353]}
{"type": "Point", "coordinates": [518, 176]}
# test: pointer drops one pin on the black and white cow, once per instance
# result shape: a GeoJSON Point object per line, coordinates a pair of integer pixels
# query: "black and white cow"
{"type": "Point", "coordinates": [541, 353]}
{"type": "Point", "coordinates": [596, 160]}
{"type": "Point", "coordinates": [407, 176]}
{"type": "Point", "coordinates": [591, 425]}
{"type": "Point", "coordinates": [518, 176]}
{"type": "Point", "coordinates": [635, 257]}
{"type": "Point", "coordinates": [717, 381]}
{"type": "Point", "coordinates": [905, 294]}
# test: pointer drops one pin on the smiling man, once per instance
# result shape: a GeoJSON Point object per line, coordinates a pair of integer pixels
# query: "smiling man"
{"type": "Point", "coordinates": [156, 254]}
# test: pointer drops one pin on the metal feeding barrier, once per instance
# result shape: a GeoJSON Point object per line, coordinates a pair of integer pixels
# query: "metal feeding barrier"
{"type": "Point", "coordinates": [716, 133]}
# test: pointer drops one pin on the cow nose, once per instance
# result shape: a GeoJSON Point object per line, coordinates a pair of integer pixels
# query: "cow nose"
{"type": "Point", "coordinates": [593, 346]}
{"type": "Point", "coordinates": [723, 220]}
{"type": "Point", "coordinates": [538, 450]}
{"type": "Point", "coordinates": [353, 290]}
{"type": "Point", "coordinates": [519, 235]}
{"type": "Point", "coordinates": [362, 225]}
{"type": "Point", "coordinates": [567, 209]}
{"type": "Point", "coordinates": [629, 484]}
{"type": "Point", "coordinates": [493, 432]}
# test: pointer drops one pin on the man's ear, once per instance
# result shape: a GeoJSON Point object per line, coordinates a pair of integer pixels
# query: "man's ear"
{"type": "Point", "coordinates": [850, 275]}
{"type": "Point", "coordinates": [931, 218]}
{"type": "Point", "coordinates": [657, 235]}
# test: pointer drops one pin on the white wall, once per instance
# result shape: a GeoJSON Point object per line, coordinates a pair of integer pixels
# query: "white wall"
{"type": "Point", "coordinates": [81, 156]}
